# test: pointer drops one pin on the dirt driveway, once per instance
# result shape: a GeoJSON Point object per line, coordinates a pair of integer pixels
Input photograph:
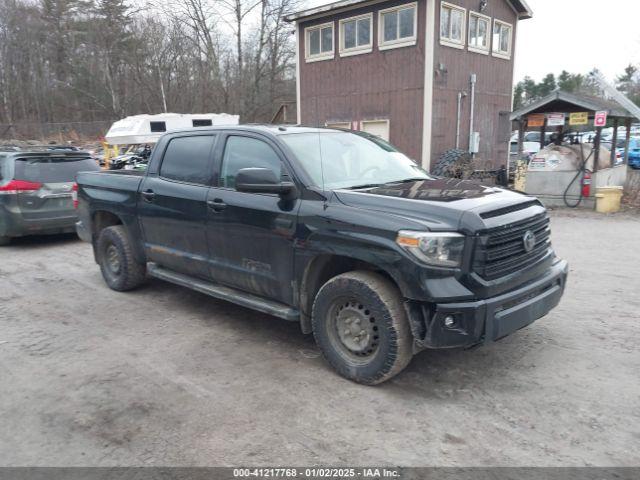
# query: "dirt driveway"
{"type": "Point", "coordinates": [166, 376]}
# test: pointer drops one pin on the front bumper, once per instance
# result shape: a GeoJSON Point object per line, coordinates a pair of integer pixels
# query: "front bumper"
{"type": "Point", "coordinates": [488, 320]}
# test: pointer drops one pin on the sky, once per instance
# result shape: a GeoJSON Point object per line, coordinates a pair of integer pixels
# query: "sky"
{"type": "Point", "coordinates": [578, 35]}
{"type": "Point", "coordinates": [574, 35]}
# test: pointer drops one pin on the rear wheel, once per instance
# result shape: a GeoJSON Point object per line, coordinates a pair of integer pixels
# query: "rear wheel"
{"type": "Point", "coordinates": [360, 325]}
{"type": "Point", "coordinates": [117, 263]}
{"type": "Point", "coordinates": [4, 240]}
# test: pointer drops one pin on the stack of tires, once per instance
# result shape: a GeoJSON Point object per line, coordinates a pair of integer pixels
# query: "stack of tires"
{"type": "Point", "coordinates": [454, 163]}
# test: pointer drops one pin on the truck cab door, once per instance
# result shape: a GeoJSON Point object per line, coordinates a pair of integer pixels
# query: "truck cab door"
{"type": "Point", "coordinates": [172, 204]}
{"type": "Point", "coordinates": [251, 235]}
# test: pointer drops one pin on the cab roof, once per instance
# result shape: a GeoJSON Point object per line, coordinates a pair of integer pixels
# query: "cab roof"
{"type": "Point", "coordinates": [263, 128]}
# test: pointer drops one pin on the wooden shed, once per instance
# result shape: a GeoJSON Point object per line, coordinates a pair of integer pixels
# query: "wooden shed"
{"type": "Point", "coordinates": [427, 75]}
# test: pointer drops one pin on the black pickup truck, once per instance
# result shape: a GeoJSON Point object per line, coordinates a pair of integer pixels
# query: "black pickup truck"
{"type": "Point", "coordinates": [335, 230]}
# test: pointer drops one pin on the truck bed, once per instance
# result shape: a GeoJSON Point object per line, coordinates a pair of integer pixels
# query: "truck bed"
{"type": "Point", "coordinates": [110, 191]}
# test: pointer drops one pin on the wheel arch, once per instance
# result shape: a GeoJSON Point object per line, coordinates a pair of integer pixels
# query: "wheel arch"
{"type": "Point", "coordinates": [101, 219]}
{"type": "Point", "coordinates": [325, 266]}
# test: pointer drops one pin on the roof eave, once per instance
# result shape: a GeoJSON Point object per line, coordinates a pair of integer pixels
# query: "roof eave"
{"type": "Point", "coordinates": [522, 9]}
{"type": "Point", "coordinates": [585, 103]}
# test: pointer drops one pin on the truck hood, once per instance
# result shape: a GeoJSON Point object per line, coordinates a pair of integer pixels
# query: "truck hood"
{"type": "Point", "coordinates": [440, 203]}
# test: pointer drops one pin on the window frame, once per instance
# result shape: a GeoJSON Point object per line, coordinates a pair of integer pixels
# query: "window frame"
{"type": "Point", "coordinates": [157, 126]}
{"type": "Point", "coordinates": [329, 55]}
{"type": "Point", "coordinates": [495, 51]}
{"type": "Point", "coordinates": [358, 49]}
{"type": "Point", "coordinates": [222, 148]}
{"type": "Point", "coordinates": [489, 34]}
{"type": "Point", "coordinates": [336, 124]}
{"type": "Point", "coordinates": [463, 28]}
{"type": "Point", "coordinates": [398, 42]}
{"type": "Point", "coordinates": [386, 121]}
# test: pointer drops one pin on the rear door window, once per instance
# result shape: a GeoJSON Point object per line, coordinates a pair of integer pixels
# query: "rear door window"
{"type": "Point", "coordinates": [52, 170]}
{"type": "Point", "coordinates": [187, 159]}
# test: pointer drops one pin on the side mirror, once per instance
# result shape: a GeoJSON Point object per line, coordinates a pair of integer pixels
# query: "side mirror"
{"type": "Point", "coordinates": [262, 180]}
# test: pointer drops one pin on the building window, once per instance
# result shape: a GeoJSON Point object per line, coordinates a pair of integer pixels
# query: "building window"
{"type": "Point", "coordinates": [397, 26]}
{"type": "Point", "coordinates": [379, 128]}
{"type": "Point", "coordinates": [501, 39]}
{"type": "Point", "coordinates": [479, 26]}
{"type": "Point", "coordinates": [343, 125]}
{"type": "Point", "coordinates": [355, 35]}
{"type": "Point", "coordinates": [452, 20]}
{"type": "Point", "coordinates": [319, 42]}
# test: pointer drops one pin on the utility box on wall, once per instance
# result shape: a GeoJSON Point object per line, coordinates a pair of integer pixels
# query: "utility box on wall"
{"type": "Point", "coordinates": [474, 143]}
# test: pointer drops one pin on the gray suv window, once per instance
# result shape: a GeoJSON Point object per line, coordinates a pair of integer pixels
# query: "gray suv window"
{"type": "Point", "coordinates": [186, 159]}
{"type": "Point", "coordinates": [52, 170]}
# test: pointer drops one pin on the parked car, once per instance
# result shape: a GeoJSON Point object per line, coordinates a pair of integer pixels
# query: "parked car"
{"type": "Point", "coordinates": [634, 152]}
{"type": "Point", "coordinates": [336, 231]}
{"type": "Point", "coordinates": [533, 136]}
{"type": "Point", "coordinates": [529, 149]}
{"type": "Point", "coordinates": [36, 191]}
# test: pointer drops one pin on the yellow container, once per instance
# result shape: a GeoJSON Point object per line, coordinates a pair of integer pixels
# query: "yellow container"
{"type": "Point", "coordinates": [608, 199]}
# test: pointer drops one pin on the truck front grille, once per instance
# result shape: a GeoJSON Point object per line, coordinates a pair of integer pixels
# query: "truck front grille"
{"type": "Point", "coordinates": [501, 250]}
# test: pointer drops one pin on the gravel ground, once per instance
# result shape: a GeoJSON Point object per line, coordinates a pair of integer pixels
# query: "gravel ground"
{"type": "Point", "coordinates": [167, 376]}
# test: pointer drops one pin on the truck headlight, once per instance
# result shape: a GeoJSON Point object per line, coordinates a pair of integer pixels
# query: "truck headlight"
{"type": "Point", "coordinates": [442, 249]}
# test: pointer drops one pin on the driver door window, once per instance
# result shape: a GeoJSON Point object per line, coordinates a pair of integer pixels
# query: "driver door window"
{"type": "Point", "coordinates": [246, 152]}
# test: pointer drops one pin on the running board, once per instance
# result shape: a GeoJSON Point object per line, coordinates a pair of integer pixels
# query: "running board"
{"type": "Point", "coordinates": [225, 293]}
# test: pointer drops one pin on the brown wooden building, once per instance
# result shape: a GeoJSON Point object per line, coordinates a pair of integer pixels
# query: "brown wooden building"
{"type": "Point", "coordinates": [401, 68]}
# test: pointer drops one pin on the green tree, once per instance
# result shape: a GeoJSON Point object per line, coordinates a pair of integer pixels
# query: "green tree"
{"type": "Point", "coordinates": [629, 83]}
{"type": "Point", "coordinates": [547, 85]}
{"type": "Point", "coordinates": [530, 89]}
{"type": "Point", "coordinates": [565, 81]}
{"type": "Point", "coordinates": [518, 96]}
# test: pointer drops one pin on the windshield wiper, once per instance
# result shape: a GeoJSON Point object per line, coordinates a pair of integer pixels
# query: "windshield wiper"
{"type": "Point", "coordinates": [407, 180]}
{"type": "Point", "coordinates": [366, 185]}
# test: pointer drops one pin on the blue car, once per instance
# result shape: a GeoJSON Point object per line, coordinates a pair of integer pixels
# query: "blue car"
{"type": "Point", "coordinates": [634, 152]}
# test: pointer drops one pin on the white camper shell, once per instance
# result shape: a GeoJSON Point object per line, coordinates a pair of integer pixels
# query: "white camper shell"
{"type": "Point", "coordinates": [140, 129]}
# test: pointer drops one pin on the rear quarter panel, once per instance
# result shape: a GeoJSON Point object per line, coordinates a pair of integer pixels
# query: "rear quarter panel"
{"type": "Point", "coordinates": [114, 193]}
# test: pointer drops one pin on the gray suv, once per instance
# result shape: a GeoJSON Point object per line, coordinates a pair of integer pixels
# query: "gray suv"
{"type": "Point", "coordinates": [37, 191]}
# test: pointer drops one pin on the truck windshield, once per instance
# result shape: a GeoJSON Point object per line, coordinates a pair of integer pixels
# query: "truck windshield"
{"type": "Point", "coordinates": [336, 160]}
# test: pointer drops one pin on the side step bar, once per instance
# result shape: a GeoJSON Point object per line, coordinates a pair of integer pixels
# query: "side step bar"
{"type": "Point", "coordinates": [225, 293]}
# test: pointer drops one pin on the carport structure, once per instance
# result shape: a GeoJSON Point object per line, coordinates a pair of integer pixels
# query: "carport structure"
{"type": "Point", "coordinates": [566, 103]}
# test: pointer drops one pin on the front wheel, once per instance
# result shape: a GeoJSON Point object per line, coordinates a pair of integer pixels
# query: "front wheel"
{"type": "Point", "coordinates": [119, 267]}
{"type": "Point", "coordinates": [360, 325]}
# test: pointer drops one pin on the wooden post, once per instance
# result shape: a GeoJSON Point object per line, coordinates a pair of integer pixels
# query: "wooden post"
{"type": "Point", "coordinates": [543, 131]}
{"type": "Point", "coordinates": [521, 127]}
{"type": "Point", "coordinates": [614, 141]}
{"type": "Point", "coordinates": [625, 159]}
{"type": "Point", "coordinates": [596, 149]}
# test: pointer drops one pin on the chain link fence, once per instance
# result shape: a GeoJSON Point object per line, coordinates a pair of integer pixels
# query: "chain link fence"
{"type": "Point", "coordinates": [59, 132]}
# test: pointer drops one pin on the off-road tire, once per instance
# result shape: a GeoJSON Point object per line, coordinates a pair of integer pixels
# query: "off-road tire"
{"type": "Point", "coordinates": [4, 240]}
{"type": "Point", "coordinates": [380, 302]}
{"type": "Point", "coordinates": [114, 245]}
{"type": "Point", "coordinates": [454, 163]}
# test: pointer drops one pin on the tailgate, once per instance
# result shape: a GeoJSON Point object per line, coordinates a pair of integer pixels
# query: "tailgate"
{"type": "Point", "coordinates": [52, 201]}
{"type": "Point", "coordinates": [55, 175]}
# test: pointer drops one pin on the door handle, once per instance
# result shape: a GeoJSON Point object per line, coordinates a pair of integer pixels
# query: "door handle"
{"type": "Point", "coordinates": [148, 195]}
{"type": "Point", "coordinates": [217, 204]}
